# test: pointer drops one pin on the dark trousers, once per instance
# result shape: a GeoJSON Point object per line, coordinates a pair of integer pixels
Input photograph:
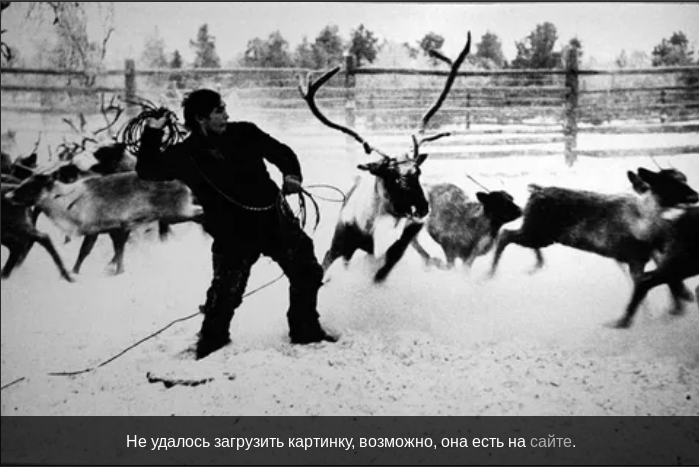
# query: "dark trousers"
{"type": "Point", "coordinates": [288, 245]}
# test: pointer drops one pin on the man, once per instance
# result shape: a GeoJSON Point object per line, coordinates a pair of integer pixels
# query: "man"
{"type": "Point", "coordinates": [244, 211]}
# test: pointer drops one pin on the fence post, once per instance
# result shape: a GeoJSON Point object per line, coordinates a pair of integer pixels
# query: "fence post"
{"type": "Point", "coordinates": [130, 87]}
{"type": "Point", "coordinates": [468, 113]}
{"type": "Point", "coordinates": [570, 129]}
{"type": "Point", "coordinates": [350, 102]}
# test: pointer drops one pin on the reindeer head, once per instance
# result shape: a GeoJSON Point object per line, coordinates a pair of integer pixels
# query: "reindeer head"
{"type": "Point", "coordinates": [669, 186]}
{"type": "Point", "coordinates": [398, 177]}
{"type": "Point", "coordinates": [499, 206]}
{"type": "Point", "coordinates": [30, 191]}
{"type": "Point", "coordinates": [24, 167]}
{"type": "Point", "coordinates": [41, 182]}
{"type": "Point", "coordinates": [400, 183]}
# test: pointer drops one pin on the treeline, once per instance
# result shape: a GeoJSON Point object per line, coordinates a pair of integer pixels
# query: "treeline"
{"type": "Point", "coordinates": [540, 49]}
{"type": "Point", "coordinates": [74, 49]}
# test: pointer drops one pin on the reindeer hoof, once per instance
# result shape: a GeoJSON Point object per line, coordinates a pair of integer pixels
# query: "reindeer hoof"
{"type": "Point", "coordinates": [114, 271]}
{"type": "Point", "coordinates": [686, 295]}
{"type": "Point", "coordinates": [619, 324]}
{"type": "Point", "coordinates": [380, 277]}
{"type": "Point", "coordinates": [69, 278]}
{"type": "Point", "coordinates": [677, 311]}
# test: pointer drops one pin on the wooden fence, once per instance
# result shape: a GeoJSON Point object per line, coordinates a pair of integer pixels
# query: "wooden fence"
{"type": "Point", "coordinates": [491, 113]}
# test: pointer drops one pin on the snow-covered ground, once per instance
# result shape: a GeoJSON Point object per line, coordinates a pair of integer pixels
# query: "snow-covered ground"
{"type": "Point", "coordinates": [427, 342]}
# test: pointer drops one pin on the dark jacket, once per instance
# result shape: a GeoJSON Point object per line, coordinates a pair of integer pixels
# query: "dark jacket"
{"type": "Point", "coordinates": [227, 175]}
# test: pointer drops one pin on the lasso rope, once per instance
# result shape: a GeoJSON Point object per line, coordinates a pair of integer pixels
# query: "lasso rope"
{"type": "Point", "coordinates": [141, 341]}
{"type": "Point", "coordinates": [131, 133]}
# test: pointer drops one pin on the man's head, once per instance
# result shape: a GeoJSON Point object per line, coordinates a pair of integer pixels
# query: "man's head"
{"type": "Point", "coordinates": [205, 112]}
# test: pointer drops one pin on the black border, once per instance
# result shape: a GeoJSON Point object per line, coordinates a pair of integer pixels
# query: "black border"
{"type": "Point", "coordinates": [593, 440]}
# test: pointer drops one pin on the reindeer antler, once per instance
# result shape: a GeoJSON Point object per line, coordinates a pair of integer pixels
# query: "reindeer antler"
{"type": "Point", "coordinates": [308, 95]}
{"type": "Point", "coordinates": [36, 145]}
{"type": "Point", "coordinates": [454, 68]}
{"type": "Point", "coordinates": [105, 112]}
{"type": "Point", "coordinates": [67, 151]}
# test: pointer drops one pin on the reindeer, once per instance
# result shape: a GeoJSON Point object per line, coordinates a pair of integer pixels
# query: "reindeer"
{"type": "Point", "coordinates": [112, 158]}
{"type": "Point", "coordinates": [677, 258]}
{"type": "Point", "coordinates": [625, 227]}
{"type": "Point", "coordinates": [112, 204]}
{"type": "Point", "coordinates": [463, 227]}
{"type": "Point", "coordinates": [19, 222]}
{"type": "Point", "coordinates": [388, 192]}
{"type": "Point", "coordinates": [19, 232]}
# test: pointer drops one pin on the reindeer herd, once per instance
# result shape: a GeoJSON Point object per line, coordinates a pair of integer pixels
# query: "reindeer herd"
{"type": "Point", "coordinates": [657, 221]}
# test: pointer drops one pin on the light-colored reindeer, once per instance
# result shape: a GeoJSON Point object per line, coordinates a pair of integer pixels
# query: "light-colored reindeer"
{"type": "Point", "coordinates": [387, 194]}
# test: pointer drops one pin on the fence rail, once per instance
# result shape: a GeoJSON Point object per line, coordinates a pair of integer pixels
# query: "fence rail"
{"type": "Point", "coordinates": [538, 112]}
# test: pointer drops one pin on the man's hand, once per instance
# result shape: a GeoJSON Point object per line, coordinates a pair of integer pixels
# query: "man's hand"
{"type": "Point", "coordinates": [159, 123]}
{"type": "Point", "coordinates": [292, 185]}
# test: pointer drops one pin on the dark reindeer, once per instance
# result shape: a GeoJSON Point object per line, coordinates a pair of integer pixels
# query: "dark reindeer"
{"type": "Point", "coordinates": [19, 222]}
{"type": "Point", "coordinates": [388, 191]}
{"type": "Point", "coordinates": [625, 227]}
{"type": "Point", "coordinates": [676, 258]}
{"type": "Point", "coordinates": [19, 232]}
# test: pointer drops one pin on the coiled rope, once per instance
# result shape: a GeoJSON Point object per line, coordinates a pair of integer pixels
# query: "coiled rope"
{"type": "Point", "coordinates": [130, 134]}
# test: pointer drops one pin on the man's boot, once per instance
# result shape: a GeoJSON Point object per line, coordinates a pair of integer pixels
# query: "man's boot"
{"type": "Point", "coordinates": [214, 332]}
{"type": "Point", "coordinates": [308, 331]}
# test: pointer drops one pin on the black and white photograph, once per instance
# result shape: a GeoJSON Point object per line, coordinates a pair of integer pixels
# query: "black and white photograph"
{"type": "Point", "coordinates": [350, 209]}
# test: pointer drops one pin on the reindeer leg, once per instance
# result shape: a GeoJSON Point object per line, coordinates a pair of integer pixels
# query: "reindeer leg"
{"type": "Point", "coordinates": [85, 249]}
{"type": "Point", "coordinates": [468, 255]}
{"type": "Point", "coordinates": [523, 238]}
{"type": "Point", "coordinates": [469, 260]}
{"type": "Point", "coordinates": [27, 246]}
{"type": "Point", "coordinates": [334, 251]}
{"type": "Point", "coordinates": [451, 252]}
{"type": "Point", "coordinates": [539, 260]}
{"type": "Point", "coordinates": [429, 261]}
{"type": "Point", "coordinates": [636, 269]}
{"type": "Point", "coordinates": [12, 260]}
{"type": "Point", "coordinates": [671, 272]}
{"type": "Point", "coordinates": [24, 252]}
{"type": "Point", "coordinates": [344, 244]}
{"type": "Point", "coordinates": [45, 241]}
{"type": "Point", "coordinates": [680, 294]}
{"type": "Point", "coordinates": [678, 291]}
{"type": "Point", "coordinates": [395, 252]}
{"type": "Point", "coordinates": [506, 237]}
{"type": "Point", "coordinates": [643, 285]}
{"type": "Point", "coordinates": [164, 230]}
{"type": "Point", "coordinates": [119, 238]}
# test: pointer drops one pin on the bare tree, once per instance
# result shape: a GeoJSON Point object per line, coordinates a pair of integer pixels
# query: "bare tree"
{"type": "Point", "coordinates": [76, 46]}
{"type": "Point", "coordinates": [5, 49]}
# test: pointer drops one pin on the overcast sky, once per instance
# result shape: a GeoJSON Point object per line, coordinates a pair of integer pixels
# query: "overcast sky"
{"type": "Point", "coordinates": [604, 28]}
